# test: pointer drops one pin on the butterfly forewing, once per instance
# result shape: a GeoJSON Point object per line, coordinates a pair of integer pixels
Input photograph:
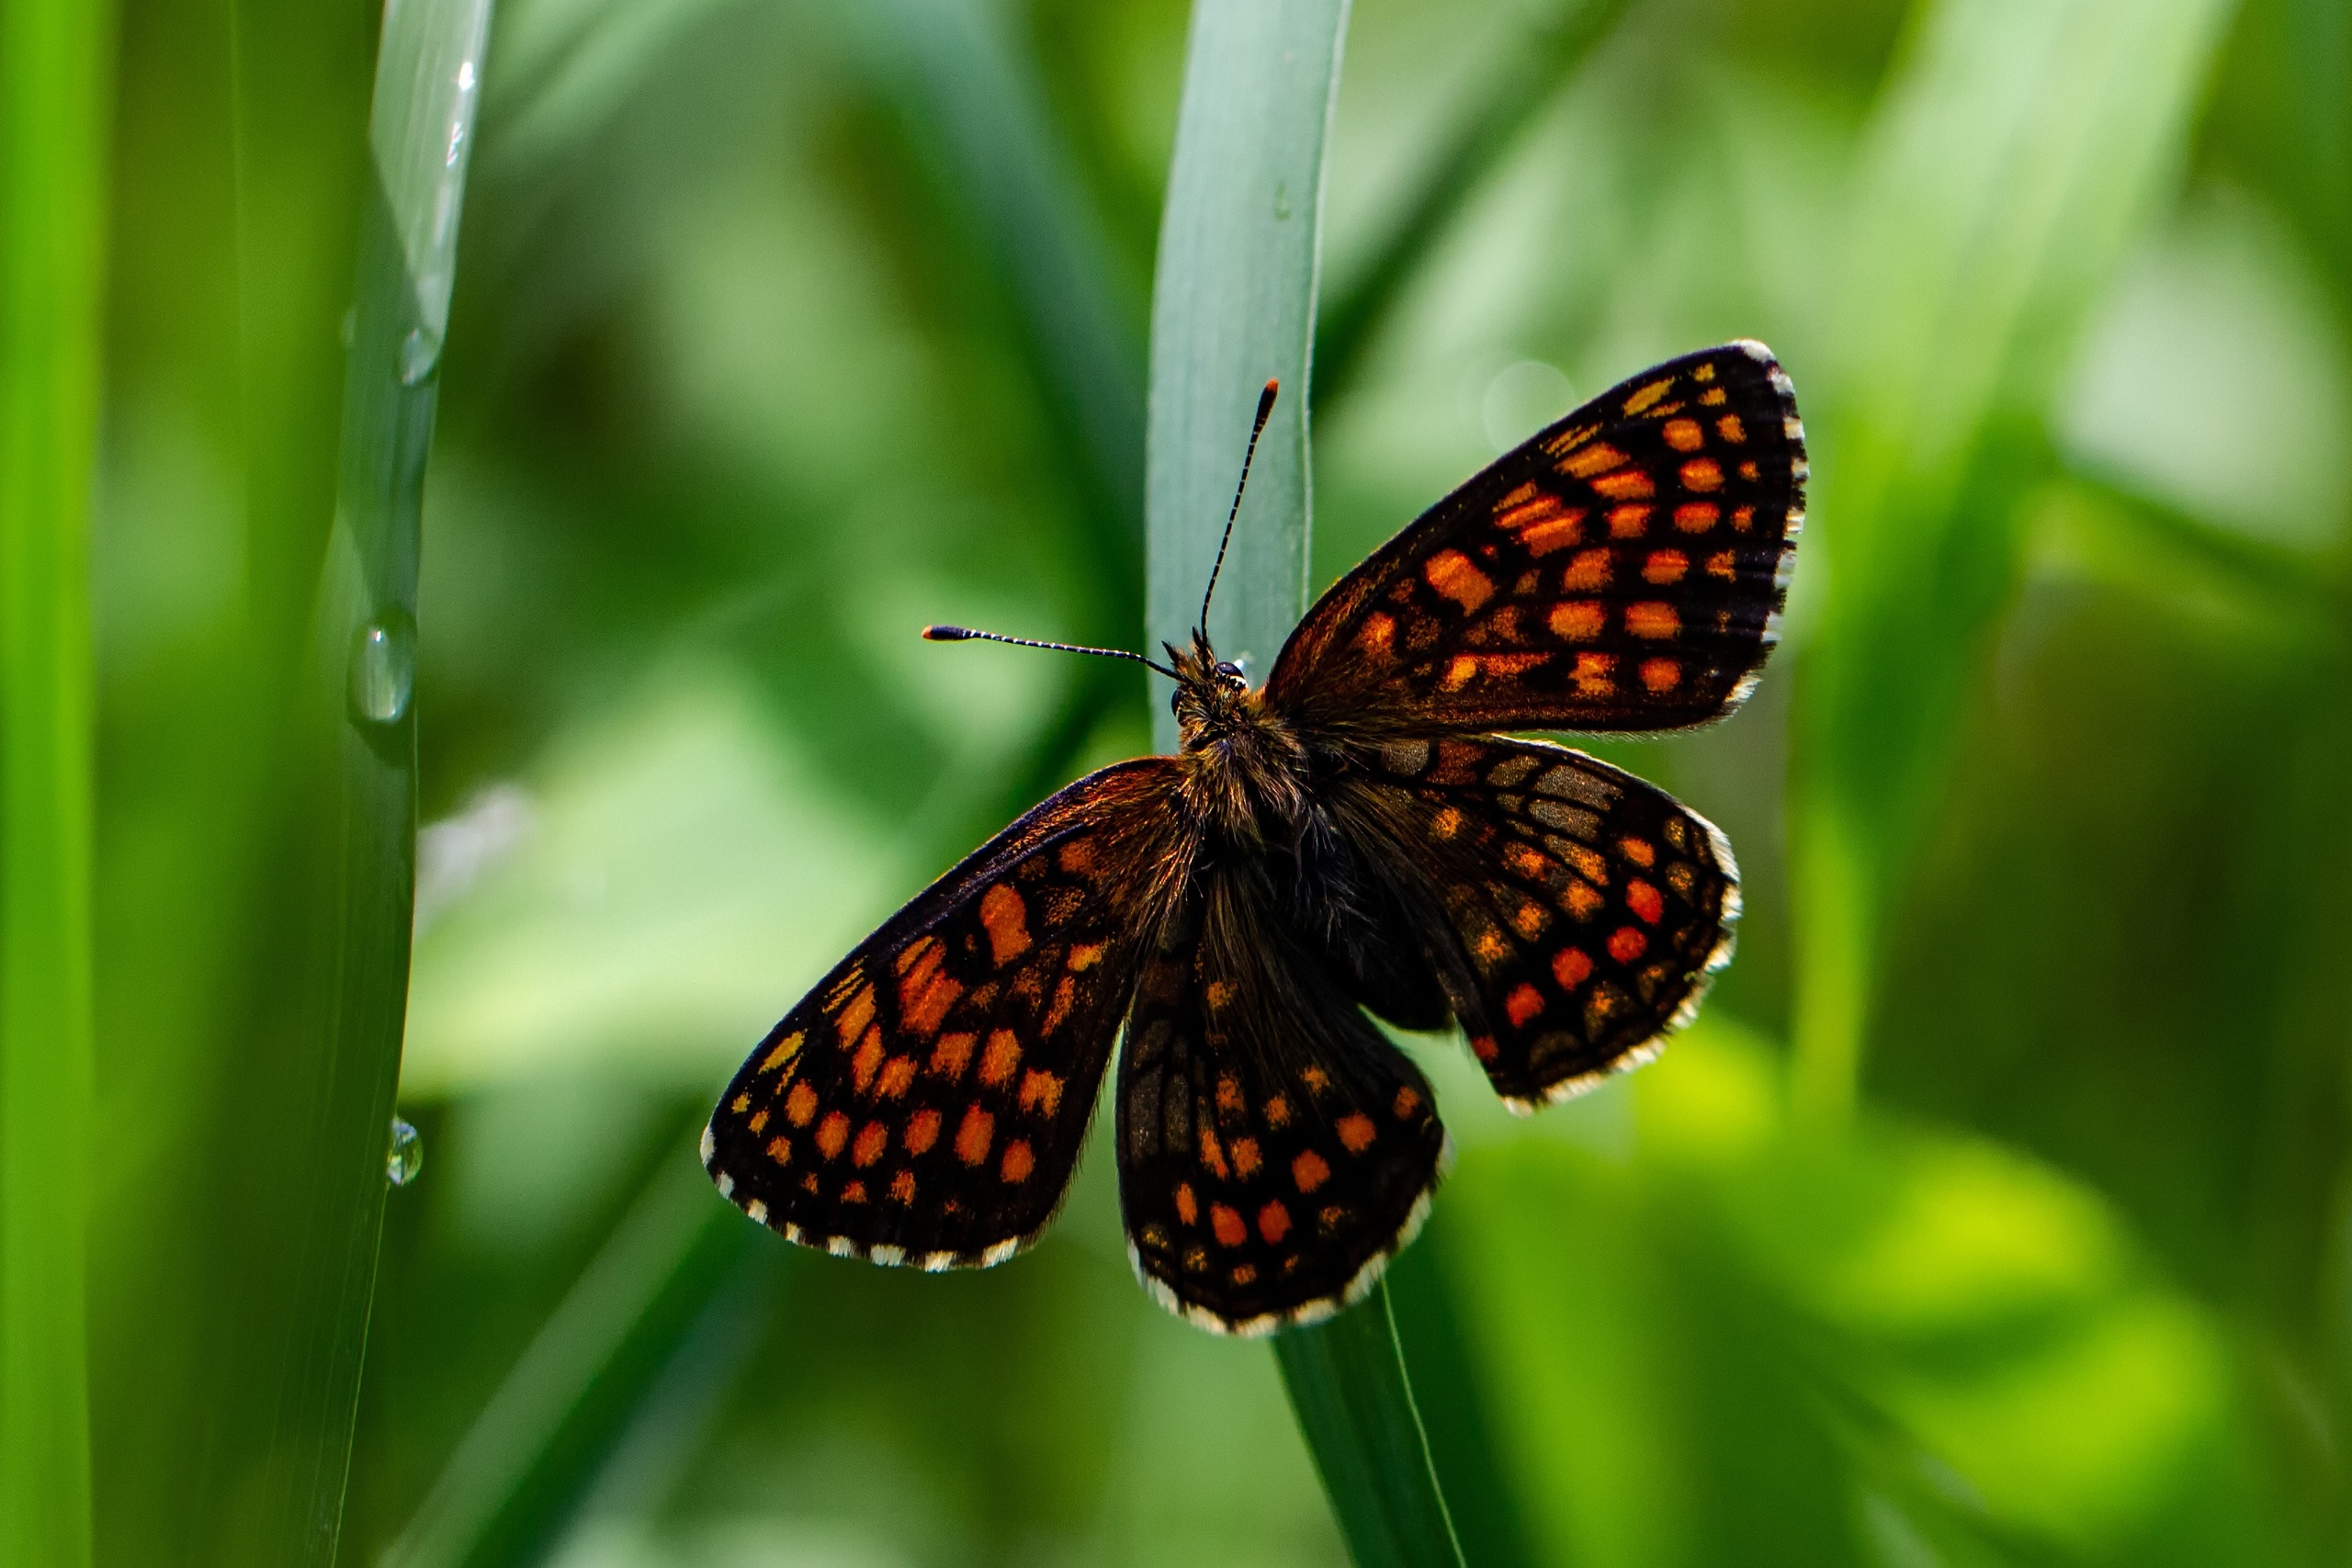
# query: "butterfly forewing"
{"type": "Point", "coordinates": [926, 1102]}
{"type": "Point", "coordinates": [1274, 1150]}
{"type": "Point", "coordinates": [1623, 569]}
{"type": "Point", "coordinates": [1588, 909]}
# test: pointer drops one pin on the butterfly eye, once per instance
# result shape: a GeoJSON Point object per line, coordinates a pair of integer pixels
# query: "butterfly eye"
{"type": "Point", "coordinates": [1229, 672]}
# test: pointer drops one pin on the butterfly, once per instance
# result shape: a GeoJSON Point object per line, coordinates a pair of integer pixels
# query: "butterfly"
{"type": "Point", "coordinates": [1353, 841]}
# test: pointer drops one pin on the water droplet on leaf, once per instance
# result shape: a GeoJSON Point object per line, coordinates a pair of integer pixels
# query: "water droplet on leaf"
{"type": "Point", "coordinates": [420, 355]}
{"type": "Point", "coordinates": [384, 668]}
{"type": "Point", "coordinates": [406, 1155]}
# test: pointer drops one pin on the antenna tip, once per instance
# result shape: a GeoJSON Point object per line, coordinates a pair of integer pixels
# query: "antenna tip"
{"type": "Point", "coordinates": [947, 634]}
{"type": "Point", "coordinates": [1266, 399]}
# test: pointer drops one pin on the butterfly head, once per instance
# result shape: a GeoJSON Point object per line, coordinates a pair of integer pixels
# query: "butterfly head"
{"type": "Point", "coordinates": [1214, 701]}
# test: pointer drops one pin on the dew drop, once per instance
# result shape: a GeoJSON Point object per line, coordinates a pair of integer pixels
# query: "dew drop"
{"type": "Point", "coordinates": [420, 355]}
{"type": "Point", "coordinates": [384, 668]}
{"type": "Point", "coordinates": [405, 1158]}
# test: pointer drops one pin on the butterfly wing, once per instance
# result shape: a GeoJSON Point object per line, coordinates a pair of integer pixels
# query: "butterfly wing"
{"type": "Point", "coordinates": [925, 1103]}
{"type": "Point", "coordinates": [1623, 571]}
{"type": "Point", "coordinates": [1574, 913]}
{"type": "Point", "coordinates": [1274, 1150]}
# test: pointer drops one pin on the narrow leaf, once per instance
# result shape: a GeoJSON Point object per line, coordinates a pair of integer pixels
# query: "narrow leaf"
{"type": "Point", "coordinates": [53, 70]}
{"type": "Point", "coordinates": [317, 1179]}
{"type": "Point", "coordinates": [1234, 305]}
{"type": "Point", "coordinates": [1346, 1381]}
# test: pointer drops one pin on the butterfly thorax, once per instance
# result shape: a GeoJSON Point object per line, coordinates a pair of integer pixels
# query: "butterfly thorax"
{"type": "Point", "coordinates": [1245, 770]}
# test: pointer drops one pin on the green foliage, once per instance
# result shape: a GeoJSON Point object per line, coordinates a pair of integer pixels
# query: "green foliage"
{"type": "Point", "coordinates": [1992, 1215]}
{"type": "Point", "coordinates": [1896, 1339]}
{"type": "Point", "coordinates": [2017, 151]}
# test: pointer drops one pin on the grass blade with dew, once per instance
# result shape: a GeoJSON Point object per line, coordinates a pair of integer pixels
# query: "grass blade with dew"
{"type": "Point", "coordinates": [54, 76]}
{"type": "Point", "coordinates": [1233, 305]}
{"type": "Point", "coordinates": [346, 909]}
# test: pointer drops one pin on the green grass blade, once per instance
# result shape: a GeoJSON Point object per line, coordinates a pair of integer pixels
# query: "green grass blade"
{"type": "Point", "coordinates": [428, 85]}
{"type": "Point", "coordinates": [1543, 54]}
{"type": "Point", "coordinates": [319, 1189]}
{"type": "Point", "coordinates": [1233, 304]}
{"type": "Point", "coordinates": [1456, 1408]}
{"type": "Point", "coordinates": [53, 70]}
{"type": "Point", "coordinates": [1346, 1381]}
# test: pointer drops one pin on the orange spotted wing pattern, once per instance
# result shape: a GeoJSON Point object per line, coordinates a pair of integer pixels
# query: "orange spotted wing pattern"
{"type": "Point", "coordinates": [1623, 569]}
{"type": "Point", "coordinates": [1348, 842]}
{"type": "Point", "coordinates": [1274, 1150]}
{"type": "Point", "coordinates": [925, 1103]}
{"type": "Point", "coordinates": [1587, 909]}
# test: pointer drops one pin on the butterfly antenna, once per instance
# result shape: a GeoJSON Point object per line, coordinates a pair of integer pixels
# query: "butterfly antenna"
{"type": "Point", "coordinates": [1265, 408]}
{"type": "Point", "coordinates": [965, 634]}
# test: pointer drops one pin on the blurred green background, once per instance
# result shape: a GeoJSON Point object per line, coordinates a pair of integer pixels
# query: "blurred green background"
{"type": "Point", "coordinates": [1996, 1211]}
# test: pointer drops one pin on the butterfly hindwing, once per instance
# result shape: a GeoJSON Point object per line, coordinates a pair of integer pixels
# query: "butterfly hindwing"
{"type": "Point", "coordinates": [1274, 1150]}
{"type": "Point", "coordinates": [926, 1102]}
{"type": "Point", "coordinates": [1587, 909]}
{"type": "Point", "coordinates": [1623, 569]}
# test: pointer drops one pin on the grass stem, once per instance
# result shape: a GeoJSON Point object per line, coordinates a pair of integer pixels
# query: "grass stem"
{"type": "Point", "coordinates": [53, 75]}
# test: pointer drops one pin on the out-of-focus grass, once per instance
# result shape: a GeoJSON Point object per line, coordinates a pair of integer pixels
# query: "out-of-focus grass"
{"type": "Point", "coordinates": [2017, 150]}
{"type": "Point", "coordinates": [1531, 58]}
{"type": "Point", "coordinates": [516, 1478]}
{"type": "Point", "coordinates": [53, 76]}
{"type": "Point", "coordinates": [240, 189]}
